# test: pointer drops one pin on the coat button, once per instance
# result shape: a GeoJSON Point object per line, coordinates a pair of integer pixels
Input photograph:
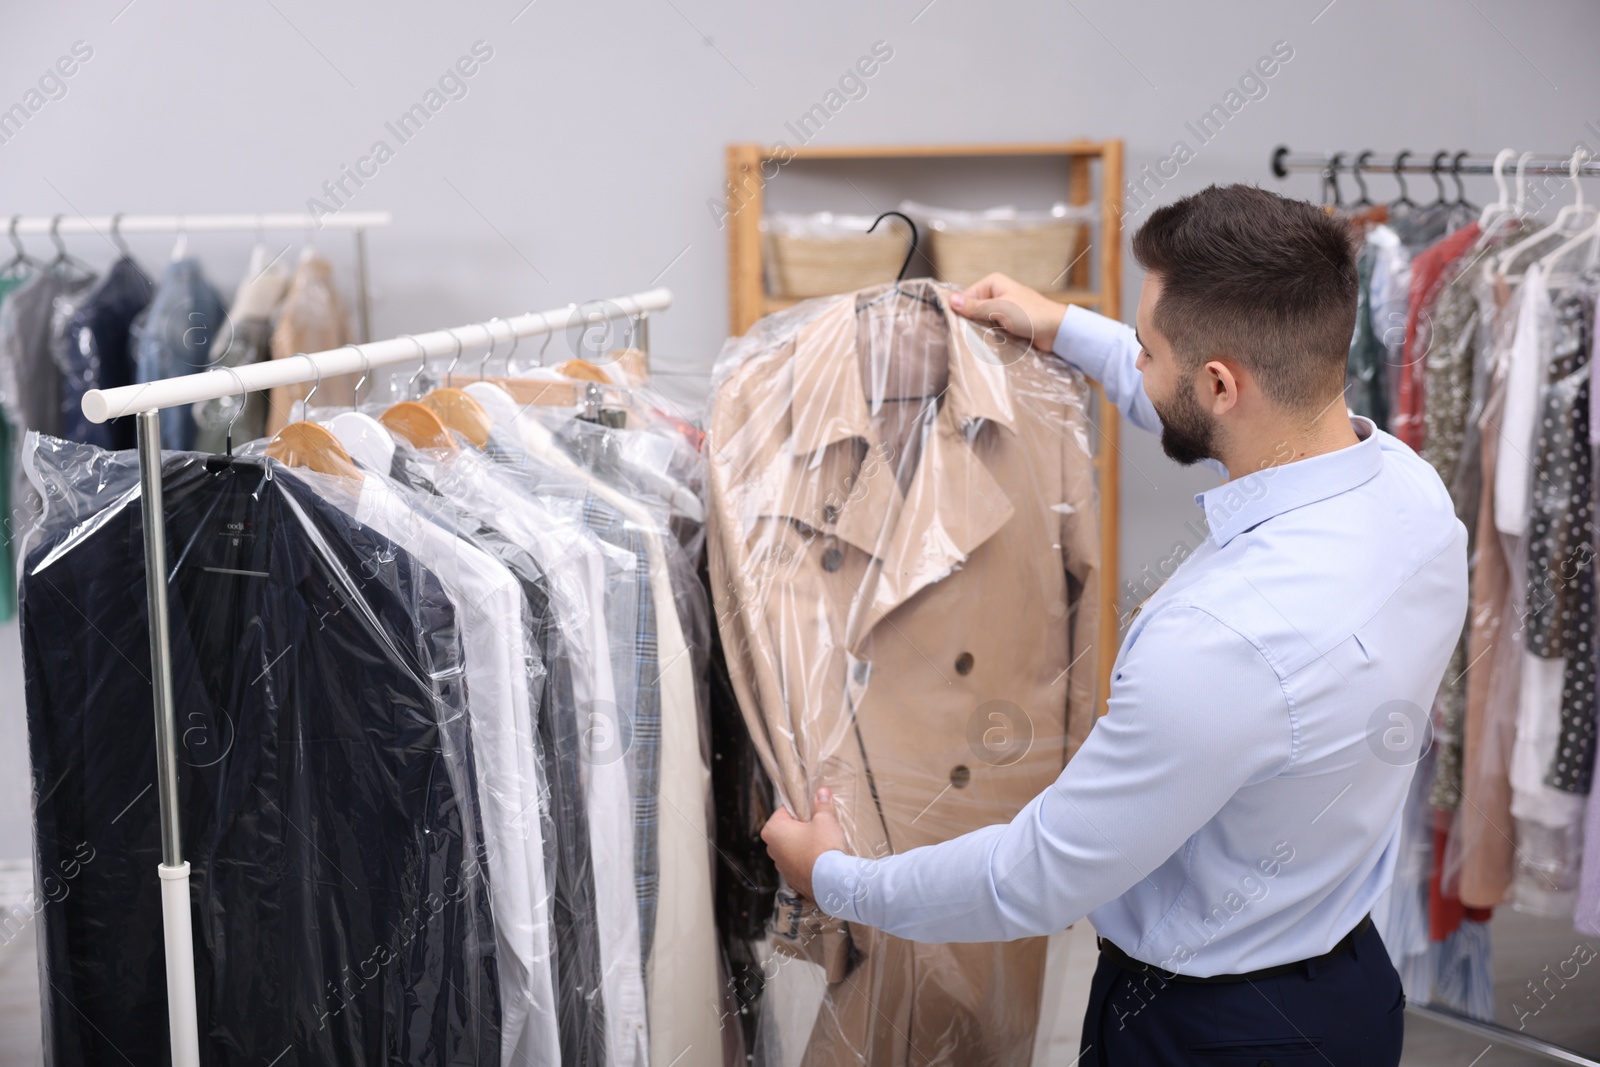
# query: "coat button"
{"type": "Point", "coordinates": [861, 672]}
{"type": "Point", "coordinates": [960, 775]}
{"type": "Point", "coordinates": [964, 663]}
{"type": "Point", "coordinates": [832, 559]}
{"type": "Point", "coordinates": [830, 513]}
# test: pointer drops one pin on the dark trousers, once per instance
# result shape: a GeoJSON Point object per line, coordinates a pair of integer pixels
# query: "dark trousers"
{"type": "Point", "coordinates": [1343, 1011]}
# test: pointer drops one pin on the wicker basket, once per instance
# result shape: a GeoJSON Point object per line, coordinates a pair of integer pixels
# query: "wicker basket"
{"type": "Point", "coordinates": [1037, 255]}
{"type": "Point", "coordinates": [801, 266]}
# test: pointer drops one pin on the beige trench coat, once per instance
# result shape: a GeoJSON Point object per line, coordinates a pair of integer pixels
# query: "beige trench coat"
{"type": "Point", "coordinates": [919, 640]}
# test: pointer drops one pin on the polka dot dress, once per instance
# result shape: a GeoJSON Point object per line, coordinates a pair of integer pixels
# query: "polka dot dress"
{"type": "Point", "coordinates": [1561, 539]}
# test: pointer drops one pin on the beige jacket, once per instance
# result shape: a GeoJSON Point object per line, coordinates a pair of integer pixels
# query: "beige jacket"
{"type": "Point", "coordinates": [907, 609]}
{"type": "Point", "coordinates": [312, 319]}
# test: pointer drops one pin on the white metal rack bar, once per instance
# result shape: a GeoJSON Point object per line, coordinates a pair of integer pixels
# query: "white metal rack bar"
{"type": "Point", "coordinates": [113, 226]}
{"type": "Point", "coordinates": [145, 401]}
{"type": "Point", "coordinates": [1406, 162]}
{"type": "Point", "coordinates": [102, 404]}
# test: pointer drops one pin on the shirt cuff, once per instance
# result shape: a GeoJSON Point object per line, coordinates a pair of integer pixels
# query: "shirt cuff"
{"type": "Point", "coordinates": [1088, 341]}
{"type": "Point", "coordinates": [837, 882]}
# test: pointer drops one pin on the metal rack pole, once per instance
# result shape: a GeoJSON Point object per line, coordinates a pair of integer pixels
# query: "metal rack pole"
{"type": "Point", "coordinates": [176, 920]}
{"type": "Point", "coordinates": [1410, 163]}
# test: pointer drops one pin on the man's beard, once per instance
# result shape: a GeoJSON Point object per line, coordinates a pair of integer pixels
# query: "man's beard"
{"type": "Point", "coordinates": [1188, 434]}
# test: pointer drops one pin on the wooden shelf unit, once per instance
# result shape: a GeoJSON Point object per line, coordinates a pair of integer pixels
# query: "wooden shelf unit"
{"type": "Point", "coordinates": [749, 301]}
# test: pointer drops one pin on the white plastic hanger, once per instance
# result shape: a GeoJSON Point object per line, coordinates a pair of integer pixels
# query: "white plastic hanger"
{"type": "Point", "coordinates": [1571, 219]}
{"type": "Point", "coordinates": [364, 437]}
{"type": "Point", "coordinates": [1499, 211]}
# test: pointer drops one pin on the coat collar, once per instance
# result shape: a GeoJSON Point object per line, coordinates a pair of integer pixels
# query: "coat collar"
{"type": "Point", "coordinates": [953, 503]}
{"type": "Point", "coordinates": [1248, 501]}
{"type": "Point", "coordinates": [828, 403]}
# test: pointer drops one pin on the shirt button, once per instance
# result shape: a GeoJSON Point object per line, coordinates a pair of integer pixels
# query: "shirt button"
{"type": "Point", "coordinates": [830, 513]}
{"type": "Point", "coordinates": [964, 663]}
{"type": "Point", "coordinates": [832, 559]}
{"type": "Point", "coordinates": [960, 775]}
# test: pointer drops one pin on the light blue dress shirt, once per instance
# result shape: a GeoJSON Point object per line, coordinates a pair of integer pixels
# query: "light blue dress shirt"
{"type": "Point", "coordinates": [1239, 804]}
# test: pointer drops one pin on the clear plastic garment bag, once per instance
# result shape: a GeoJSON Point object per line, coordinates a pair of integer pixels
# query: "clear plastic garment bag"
{"type": "Point", "coordinates": [904, 562]}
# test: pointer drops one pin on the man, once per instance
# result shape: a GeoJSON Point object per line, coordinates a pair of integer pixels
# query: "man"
{"type": "Point", "coordinates": [1229, 823]}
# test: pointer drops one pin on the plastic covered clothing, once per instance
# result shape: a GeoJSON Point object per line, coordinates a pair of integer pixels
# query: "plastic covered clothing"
{"type": "Point", "coordinates": [93, 351]}
{"type": "Point", "coordinates": [903, 557]}
{"type": "Point", "coordinates": [685, 979]}
{"type": "Point", "coordinates": [503, 672]}
{"type": "Point", "coordinates": [313, 319]}
{"type": "Point", "coordinates": [245, 339]}
{"type": "Point", "coordinates": [582, 571]}
{"type": "Point", "coordinates": [172, 337]}
{"type": "Point", "coordinates": [341, 905]}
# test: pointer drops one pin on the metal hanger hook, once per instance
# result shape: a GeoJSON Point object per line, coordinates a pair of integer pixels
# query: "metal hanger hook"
{"type": "Point", "coordinates": [516, 343]}
{"type": "Point", "coordinates": [422, 364]}
{"type": "Point", "coordinates": [61, 247]}
{"type": "Point", "coordinates": [305, 403]}
{"type": "Point", "coordinates": [493, 344]}
{"type": "Point", "coordinates": [1578, 156]}
{"type": "Point", "coordinates": [16, 242]}
{"type": "Point", "coordinates": [243, 398]}
{"type": "Point", "coordinates": [450, 370]}
{"type": "Point", "coordinates": [366, 370]}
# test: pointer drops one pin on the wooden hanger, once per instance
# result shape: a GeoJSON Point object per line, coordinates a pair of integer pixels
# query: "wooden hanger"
{"type": "Point", "coordinates": [583, 371]}
{"type": "Point", "coordinates": [308, 445]}
{"type": "Point", "coordinates": [461, 413]}
{"type": "Point", "coordinates": [418, 424]}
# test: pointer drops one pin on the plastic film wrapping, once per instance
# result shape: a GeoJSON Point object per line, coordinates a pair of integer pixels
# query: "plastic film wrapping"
{"type": "Point", "coordinates": [904, 563]}
{"type": "Point", "coordinates": [329, 804]}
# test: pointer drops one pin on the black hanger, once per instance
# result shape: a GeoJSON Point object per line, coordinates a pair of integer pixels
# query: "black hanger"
{"type": "Point", "coordinates": [63, 257]}
{"type": "Point", "coordinates": [1455, 176]}
{"type": "Point", "coordinates": [1355, 171]}
{"type": "Point", "coordinates": [20, 261]}
{"type": "Point", "coordinates": [905, 266]}
{"type": "Point", "coordinates": [1438, 161]}
{"type": "Point", "coordinates": [1330, 180]}
{"type": "Point", "coordinates": [1404, 199]}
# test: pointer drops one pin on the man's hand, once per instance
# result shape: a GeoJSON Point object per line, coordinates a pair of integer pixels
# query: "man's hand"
{"type": "Point", "coordinates": [794, 845]}
{"type": "Point", "coordinates": [1022, 312]}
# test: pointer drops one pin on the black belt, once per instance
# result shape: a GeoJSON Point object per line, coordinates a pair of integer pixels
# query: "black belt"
{"type": "Point", "coordinates": [1128, 963]}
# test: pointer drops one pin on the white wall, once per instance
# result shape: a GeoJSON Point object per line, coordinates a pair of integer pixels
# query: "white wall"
{"type": "Point", "coordinates": [581, 160]}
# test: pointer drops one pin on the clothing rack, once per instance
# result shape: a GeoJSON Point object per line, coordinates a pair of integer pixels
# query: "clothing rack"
{"type": "Point", "coordinates": [1329, 166]}
{"type": "Point", "coordinates": [145, 401]}
{"type": "Point", "coordinates": [112, 227]}
{"type": "Point", "coordinates": [1401, 163]}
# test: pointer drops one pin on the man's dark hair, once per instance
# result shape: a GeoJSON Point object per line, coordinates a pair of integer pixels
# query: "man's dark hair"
{"type": "Point", "coordinates": [1265, 280]}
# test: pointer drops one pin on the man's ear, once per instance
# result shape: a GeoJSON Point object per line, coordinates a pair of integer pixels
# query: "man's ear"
{"type": "Point", "coordinates": [1222, 381]}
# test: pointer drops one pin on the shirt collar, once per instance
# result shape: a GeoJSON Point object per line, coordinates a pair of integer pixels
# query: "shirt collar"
{"type": "Point", "coordinates": [1246, 502]}
{"type": "Point", "coordinates": [828, 403]}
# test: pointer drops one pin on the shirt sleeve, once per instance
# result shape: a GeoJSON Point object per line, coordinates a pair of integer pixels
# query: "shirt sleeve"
{"type": "Point", "coordinates": [1195, 714]}
{"type": "Point", "coordinates": [1106, 351]}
